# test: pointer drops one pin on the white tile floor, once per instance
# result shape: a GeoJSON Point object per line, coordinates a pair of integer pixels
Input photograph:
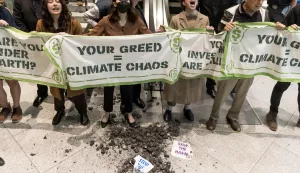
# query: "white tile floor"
{"type": "Point", "coordinates": [256, 149]}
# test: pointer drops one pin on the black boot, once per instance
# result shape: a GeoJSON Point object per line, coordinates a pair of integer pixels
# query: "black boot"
{"type": "Point", "coordinates": [188, 114]}
{"type": "Point", "coordinates": [57, 118]}
{"type": "Point", "coordinates": [168, 116]}
{"type": "Point", "coordinates": [84, 119]}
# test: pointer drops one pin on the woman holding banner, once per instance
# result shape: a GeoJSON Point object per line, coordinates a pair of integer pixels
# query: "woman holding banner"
{"type": "Point", "coordinates": [190, 90]}
{"type": "Point", "coordinates": [6, 19]}
{"type": "Point", "coordinates": [56, 18]}
{"type": "Point", "coordinates": [123, 20]}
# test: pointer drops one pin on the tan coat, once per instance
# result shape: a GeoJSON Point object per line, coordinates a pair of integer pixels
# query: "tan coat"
{"type": "Point", "coordinates": [75, 29]}
{"type": "Point", "coordinates": [107, 28]}
{"type": "Point", "coordinates": [186, 91]}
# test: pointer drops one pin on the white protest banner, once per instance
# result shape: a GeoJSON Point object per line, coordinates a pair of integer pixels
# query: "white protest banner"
{"type": "Point", "coordinates": [142, 165]}
{"type": "Point", "coordinates": [108, 61]}
{"type": "Point", "coordinates": [22, 58]}
{"type": "Point", "coordinates": [182, 150]}
{"type": "Point", "coordinates": [260, 49]}
{"type": "Point", "coordinates": [201, 54]}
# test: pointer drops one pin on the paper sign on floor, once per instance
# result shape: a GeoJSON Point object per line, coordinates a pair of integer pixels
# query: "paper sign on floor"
{"type": "Point", "coordinates": [142, 165]}
{"type": "Point", "coordinates": [182, 150]}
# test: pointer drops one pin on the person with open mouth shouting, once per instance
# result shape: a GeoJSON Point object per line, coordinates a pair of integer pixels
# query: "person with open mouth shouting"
{"type": "Point", "coordinates": [186, 91]}
{"type": "Point", "coordinates": [56, 18]}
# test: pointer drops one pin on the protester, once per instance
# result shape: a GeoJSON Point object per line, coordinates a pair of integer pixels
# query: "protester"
{"type": "Point", "coordinates": [97, 12]}
{"type": "Point", "coordinates": [248, 11]}
{"type": "Point", "coordinates": [214, 10]}
{"type": "Point", "coordinates": [94, 15]}
{"type": "Point", "coordinates": [6, 19]}
{"type": "Point", "coordinates": [56, 18]}
{"type": "Point", "coordinates": [123, 20]}
{"type": "Point", "coordinates": [279, 8]}
{"type": "Point", "coordinates": [293, 20]}
{"type": "Point", "coordinates": [186, 91]}
{"type": "Point", "coordinates": [27, 13]}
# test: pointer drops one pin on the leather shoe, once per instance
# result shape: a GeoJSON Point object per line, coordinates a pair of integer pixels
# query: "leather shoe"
{"type": "Point", "coordinates": [39, 100]}
{"type": "Point", "coordinates": [84, 119]}
{"type": "Point", "coordinates": [57, 118]}
{"type": "Point", "coordinates": [271, 120]}
{"type": "Point", "coordinates": [235, 125]}
{"type": "Point", "coordinates": [188, 114]}
{"type": "Point", "coordinates": [132, 125]}
{"type": "Point", "coordinates": [211, 93]}
{"type": "Point", "coordinates": [168, 115]}
{"type": "Point", "coordinates": [139, 102]}
{"type": "Point", "coordinates": [104, 124]}
{"type": "Point", "coordinates": [211, 124]}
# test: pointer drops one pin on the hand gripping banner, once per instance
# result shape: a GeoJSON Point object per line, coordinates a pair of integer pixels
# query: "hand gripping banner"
{"type": "Point", "coordinates": [109, 61]}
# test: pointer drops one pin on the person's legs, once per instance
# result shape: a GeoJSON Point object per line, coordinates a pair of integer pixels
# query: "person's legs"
{"type": "Point", "coordinates": [6, 109]}
{"type": "Point", "coordinates": [81, 106]}
{"type": "Point", "coordinates": [15, 91]}
{"type": "Point", "coordinates": [137, 96]}
{"type": "Point", "coordinates": [224, 88]}
{"type": "Point", "coordinates": [59, 106]}
{"type": "Point", "coordinates": [127, 96]}
{"type": "Point", "coordinates": [3, 96]}
{"type": "Point", "coordinates": [42, 94]}
{"type": "Point", "coordinates": [108, 104]}
{"type": "Point", "coordinates": [241, 88]}
{"type": "Point", "coordinates": [277, 93]}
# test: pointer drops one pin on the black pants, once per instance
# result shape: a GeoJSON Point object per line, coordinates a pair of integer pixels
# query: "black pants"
{"type": "Point", "coordinates": [42, 91]}
{"type": "Point", "coordinates": [137, 91]}
{"type": "Point", "coordinates": [210, 84]}
{"type": "Point", "coordinates": [126, 98]}
{"type": "Point", "coordinates": [79, 101]}
{"type": "Point", "coordinates": [278, 90]}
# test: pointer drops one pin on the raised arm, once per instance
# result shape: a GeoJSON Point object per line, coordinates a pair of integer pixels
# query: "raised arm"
{"type": "Point", "coordinates": [99, 29]}
{"type": "Point", "coordinates": [92, 16]}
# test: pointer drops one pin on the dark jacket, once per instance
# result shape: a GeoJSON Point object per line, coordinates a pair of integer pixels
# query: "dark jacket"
{"type": "Point", "coordinates": [293, 17]}
{"type": "Point", "coordinates": [214, 9]}
{"type": "Point", "coordinates": [104, 7]}
{"type": "Point", "coordinates": [25, 16]}
{"type": "Point", "coordinates": [7, 16]}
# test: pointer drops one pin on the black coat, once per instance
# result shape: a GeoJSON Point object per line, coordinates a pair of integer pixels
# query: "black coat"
{"type": "Point", "coordinates": [5, 15]}
{"type": "Point", "coordinates": [214, 9]}
{"type": "Point", "coordinates": [25, 16]}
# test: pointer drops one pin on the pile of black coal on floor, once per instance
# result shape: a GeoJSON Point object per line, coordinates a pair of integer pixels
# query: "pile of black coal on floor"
{"type": "Point", "coordinates": [149, 142]}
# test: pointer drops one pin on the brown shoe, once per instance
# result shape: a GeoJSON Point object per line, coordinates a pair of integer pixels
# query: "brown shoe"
{"type": "Point", "coordinates": [211, 124]}
{"type": "Point", "coordinates": [17, 115]}
{"type": "Point", "coordinates": [235, 125]}
{"type": "Point", "coordinates": [298, 124]}
{"type": "Point", "coordinates": [271, 120]}
{"type": "Point", "coordinates": [4, 114]}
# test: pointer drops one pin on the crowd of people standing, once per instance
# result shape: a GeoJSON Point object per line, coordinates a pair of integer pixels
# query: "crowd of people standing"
{"type": "Point", "coordinates": [125, 17]}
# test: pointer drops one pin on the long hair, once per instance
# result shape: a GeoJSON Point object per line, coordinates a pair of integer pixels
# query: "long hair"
{"type": "Point", "coordinates": [132, 15]}
{"type": "Point", "coordinates": [64, 20]}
